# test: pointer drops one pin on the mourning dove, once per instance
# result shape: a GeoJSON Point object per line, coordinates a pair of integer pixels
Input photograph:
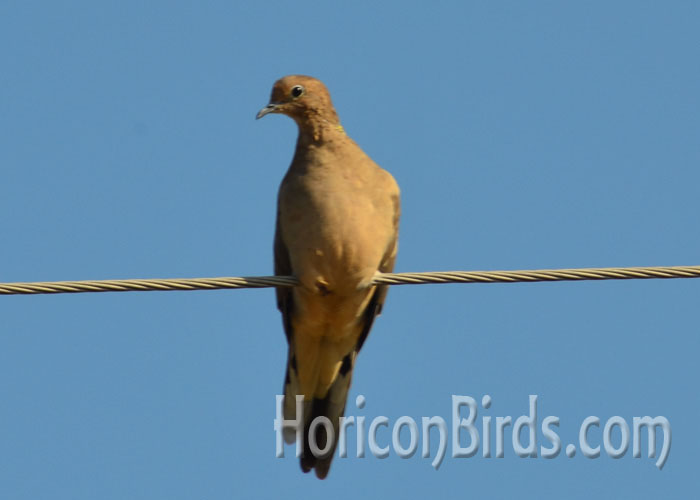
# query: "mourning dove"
{"type": "Point", "coordinates": [337, 226]}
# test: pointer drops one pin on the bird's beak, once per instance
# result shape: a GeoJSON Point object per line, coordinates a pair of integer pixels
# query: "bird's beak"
{"type": "Point", "coordinates": [270, 108]}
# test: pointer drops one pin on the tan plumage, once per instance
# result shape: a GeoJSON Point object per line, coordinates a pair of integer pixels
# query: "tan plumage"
{"type": "Point", "coordinates": [337, 225]}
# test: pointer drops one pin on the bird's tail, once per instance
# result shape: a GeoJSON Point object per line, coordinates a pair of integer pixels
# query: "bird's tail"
{"type": "Point", "coordinates": [332, 406]}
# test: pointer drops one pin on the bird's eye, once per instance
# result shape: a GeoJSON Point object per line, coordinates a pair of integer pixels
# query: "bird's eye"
{"type": "Point", "coordinates": [297, 91]}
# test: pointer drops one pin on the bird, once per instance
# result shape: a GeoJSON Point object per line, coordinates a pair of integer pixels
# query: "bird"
{"type": "Point", "coordinates": [336, 228]}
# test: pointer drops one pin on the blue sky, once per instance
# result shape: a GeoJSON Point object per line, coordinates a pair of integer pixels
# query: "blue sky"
{"type": "Point", "coordinates": [523, 135]}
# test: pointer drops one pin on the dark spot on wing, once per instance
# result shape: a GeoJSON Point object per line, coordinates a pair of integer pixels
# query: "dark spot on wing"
{"type": "Point", "coordinates": [346, 366]}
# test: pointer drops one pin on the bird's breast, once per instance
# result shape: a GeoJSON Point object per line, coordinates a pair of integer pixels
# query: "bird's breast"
{"type": "Point", "coordinates": [336, 232]}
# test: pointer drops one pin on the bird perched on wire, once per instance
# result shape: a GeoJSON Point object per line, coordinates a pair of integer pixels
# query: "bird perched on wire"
{"type": "Point", "coordinates": [337, 226]}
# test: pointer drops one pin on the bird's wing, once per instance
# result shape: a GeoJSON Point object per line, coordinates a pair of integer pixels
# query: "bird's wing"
{"type": "Point", "coordinates": [283, 267]}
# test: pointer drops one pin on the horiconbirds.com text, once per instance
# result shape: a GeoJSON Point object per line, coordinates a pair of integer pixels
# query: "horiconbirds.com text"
{"type": "Point", "coordinates": [468, 434]}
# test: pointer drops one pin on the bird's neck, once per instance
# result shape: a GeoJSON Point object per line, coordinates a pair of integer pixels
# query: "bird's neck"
{"type": "Point", "coordinates": [319, 130]}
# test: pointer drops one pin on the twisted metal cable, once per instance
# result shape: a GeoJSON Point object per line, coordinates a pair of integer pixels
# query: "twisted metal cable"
{"type": "Point", "coordinates": [143, 285]}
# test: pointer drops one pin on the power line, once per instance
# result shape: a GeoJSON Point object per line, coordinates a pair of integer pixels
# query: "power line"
{"type": "Point", "coordinates": [144, 285]}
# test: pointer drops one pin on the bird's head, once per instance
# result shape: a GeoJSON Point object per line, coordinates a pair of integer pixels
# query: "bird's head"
{"type": "Point", "coordinates": [302, 98]}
